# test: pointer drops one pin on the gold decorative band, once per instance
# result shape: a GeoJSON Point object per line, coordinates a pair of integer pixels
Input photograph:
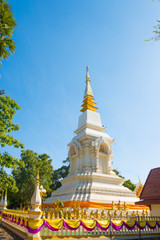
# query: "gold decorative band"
{"type": "Point", "coordinates": [107, 206]}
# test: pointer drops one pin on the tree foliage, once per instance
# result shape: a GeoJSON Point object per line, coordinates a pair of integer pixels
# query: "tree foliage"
{"type": "Point", "coordinates": [25, 176]}
{"type": "Point", "coordinates": [127, 183]}
{"type": "Point", "coordinates": [8, 108]}
{"type": "Point", "coordinates": [7, 180]}
{"type": "Point", "coordinates": [117, 173]}
{"type": "Point", "coordinates": [7, 25]}
{"type": "Point", "coordinates": [59, 174]}
{"type": "Point", "coordinates": [156, 31]}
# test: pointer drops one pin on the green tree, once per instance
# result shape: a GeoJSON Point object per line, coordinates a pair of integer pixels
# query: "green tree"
{"type": "Point", "coordinates": [8, 108]}
{"type": "Point", "coordinates": [25, 176]}
{"type": "Point", "coordinates": [127, 183]}
{"type": "Point", "coordinates": [59, 174]}
{"type": "Point", "coordinates": [117, 173]}
{"type": "Point", "coordinates": [156, 32]}
{"type": "Point", "coordinates": [7, 25]}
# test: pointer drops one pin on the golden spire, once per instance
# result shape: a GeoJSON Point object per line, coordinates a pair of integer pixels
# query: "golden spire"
{"type": "Point", "coordinates": [37, 180]}
{"type": "Point", "coordinates": [87, 74]}
{"type": "Point", "coordinates": [88, 102]}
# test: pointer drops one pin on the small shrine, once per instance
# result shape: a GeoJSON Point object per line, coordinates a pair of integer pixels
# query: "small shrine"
{"type": "Point", "coordinates": [91, 180]}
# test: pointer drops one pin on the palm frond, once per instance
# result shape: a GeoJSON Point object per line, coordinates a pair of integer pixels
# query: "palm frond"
{"type": "Point", "coordinates": [7, 25]}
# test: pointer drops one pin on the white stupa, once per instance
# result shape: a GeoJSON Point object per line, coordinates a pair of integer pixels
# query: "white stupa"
{"type": "Point", "coordinates": [91, 179]}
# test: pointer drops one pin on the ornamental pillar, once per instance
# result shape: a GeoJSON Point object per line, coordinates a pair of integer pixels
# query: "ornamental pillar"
{"type": "Point", "coordinates": [1, 208]}
{"type": "Point", "coordinates": [88, 163]}
{"type": "Point", "coordinates": [35, 222]}
{"type": "Point", "coordinates": [95, 144]}
{"type": "Point", "coordinates": [93, 159]}
{"type": "Point", "coordinates": [81, 157]}
{"type": "Point", "coordinates": [97, 161]}
{"type": "Point", "coordinates": [109, 170]}
{"type": "Point", "coordinates": [77, 163]}
{"type": "Point", "coordinates": [1, 203]}
{"type": "Point", "coordinates": [87, 157]}
{"type": "Point", "coordinates": [5, 200]}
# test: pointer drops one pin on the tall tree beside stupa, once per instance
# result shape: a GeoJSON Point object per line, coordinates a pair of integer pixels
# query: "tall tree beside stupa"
{"type": "Point", "coordinates": [7, 25]}
{"type": "Point", "coordinates": [25, 175]}
{"type": "Point", "coordinates": [8, 108]}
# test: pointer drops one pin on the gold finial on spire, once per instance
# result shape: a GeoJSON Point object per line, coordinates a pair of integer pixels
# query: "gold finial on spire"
{"type": "Point", "coordinates": [88, 89]}
{"type": "Point", "coordinates": [87, 74]}
{"type": "Point", "coordinates": [88, 102]}
{"type": "Point", "coordinates": [37, 180]}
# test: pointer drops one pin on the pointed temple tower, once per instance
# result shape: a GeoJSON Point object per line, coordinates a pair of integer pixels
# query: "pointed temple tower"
{"type": "Point", "coordinates": [91, 179]}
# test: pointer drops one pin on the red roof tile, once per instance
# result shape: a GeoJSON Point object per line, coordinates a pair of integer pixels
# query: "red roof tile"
{"type": "Point", "coordinates": [151, 189]}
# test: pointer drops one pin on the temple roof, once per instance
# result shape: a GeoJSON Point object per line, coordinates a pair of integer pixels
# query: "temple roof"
{"type": "Point", "coordinates": [151, 189]}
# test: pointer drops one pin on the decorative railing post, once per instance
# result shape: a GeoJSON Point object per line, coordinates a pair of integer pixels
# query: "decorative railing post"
{"type": "Point", "coordinates": [1, 203]}
{"type": "Point", "coordinates": [139, 228]}
{"type": "Point", "coordinates": [35, 214]}
{"type": "Point", "coordinates": [1, 207]}
{"type": "Point", "coordinates": [110, 227]}
{"type": "Point", "coordinates": [5, 200]}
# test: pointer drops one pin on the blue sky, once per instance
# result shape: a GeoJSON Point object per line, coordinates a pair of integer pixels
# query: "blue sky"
{"type": "Point", "coordinates": [55, 41]}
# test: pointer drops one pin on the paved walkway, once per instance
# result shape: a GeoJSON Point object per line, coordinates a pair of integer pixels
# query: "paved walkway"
{"type": "Point", "coordinates": [5, 234]}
